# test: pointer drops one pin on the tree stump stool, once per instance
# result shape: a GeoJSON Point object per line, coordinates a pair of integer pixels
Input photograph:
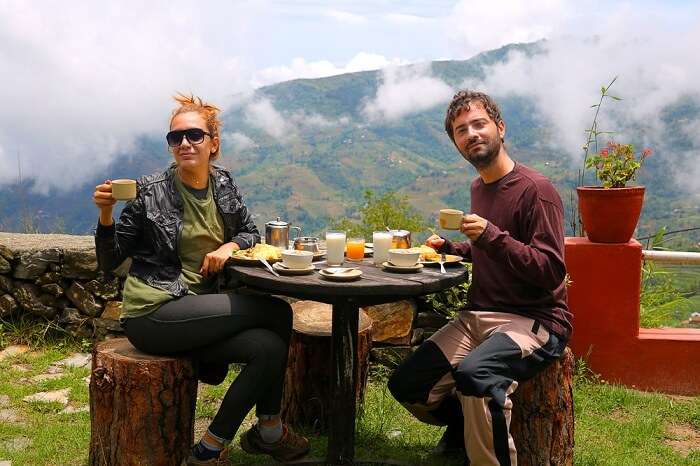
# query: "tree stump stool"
{"type": "Point", "coordinates": [542, 420]}
{"type": "Point", "coordinates": [306, 398]}
{"type": "Point", "coordinates": [141, 406]}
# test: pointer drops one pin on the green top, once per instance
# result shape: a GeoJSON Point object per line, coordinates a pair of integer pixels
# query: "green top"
{"type": "Point", "coordinates": [202, 232]}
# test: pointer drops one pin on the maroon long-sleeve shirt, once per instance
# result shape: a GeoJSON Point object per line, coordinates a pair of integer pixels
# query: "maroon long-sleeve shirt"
{"type": "Point", "coordinates": [519, 258]}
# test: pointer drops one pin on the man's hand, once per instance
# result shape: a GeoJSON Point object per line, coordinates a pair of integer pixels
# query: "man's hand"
{"type": "Point", "coordinates": [215, 260]}
{"type": "Point", "coordinates": [473, 226]}
{"type": "Point", "coordinates": [435, 242]}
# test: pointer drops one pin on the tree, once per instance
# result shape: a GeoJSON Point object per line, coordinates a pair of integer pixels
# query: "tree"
{"type": "Point", "coordinates": [379, 212]}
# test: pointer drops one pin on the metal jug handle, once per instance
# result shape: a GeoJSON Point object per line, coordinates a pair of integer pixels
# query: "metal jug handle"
{"type": "Point", "coordinates": [298, 231]}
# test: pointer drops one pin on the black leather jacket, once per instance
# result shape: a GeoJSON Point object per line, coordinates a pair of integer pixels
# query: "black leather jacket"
{"type": "Point", "coordinates": [149, 228]}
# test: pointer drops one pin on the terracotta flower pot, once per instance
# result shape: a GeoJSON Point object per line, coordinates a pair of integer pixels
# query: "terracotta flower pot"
{"type": "Point", "coordinates": [610, 215]}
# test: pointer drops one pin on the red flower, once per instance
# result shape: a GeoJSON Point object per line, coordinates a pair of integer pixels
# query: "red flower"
{"type": "Point", "coordinates": [646, 153]}
{"type": "Point", "coordinates": [604, 152]}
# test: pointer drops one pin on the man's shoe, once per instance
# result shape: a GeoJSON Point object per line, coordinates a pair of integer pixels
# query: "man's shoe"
{"type": "Point", "coordinates": [212, 373]}
{"type": "Point", "coordinates": [289, 447]}
{"type": "Point", "coordinates": [221, 460]}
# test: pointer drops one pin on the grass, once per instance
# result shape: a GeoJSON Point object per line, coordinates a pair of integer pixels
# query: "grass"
{"type": "Point", "coordinates": [56, 438]}
{"type": "Point", "coordinates": [614, 425]}
{"type": "Point", "coordinates": [670, 294]}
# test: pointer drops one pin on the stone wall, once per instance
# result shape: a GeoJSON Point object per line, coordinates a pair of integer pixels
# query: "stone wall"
{"type": "Point", "coordinates": [399, 328]}
{"type": "Point", "coordinates": [55, 277]}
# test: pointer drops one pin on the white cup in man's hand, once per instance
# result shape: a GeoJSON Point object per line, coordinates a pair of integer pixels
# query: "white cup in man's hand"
{"type": "Point", "coordinates": [450, 219]}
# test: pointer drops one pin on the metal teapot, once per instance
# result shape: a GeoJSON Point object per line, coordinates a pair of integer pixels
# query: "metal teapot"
{"type": "Point", "coordinates": [277, 233]}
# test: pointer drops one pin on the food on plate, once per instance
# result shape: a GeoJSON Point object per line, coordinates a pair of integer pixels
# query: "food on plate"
{"type": "Point", "coordinates": [259, 251]}
{"type": "Point", "coordinates": [428, 254]}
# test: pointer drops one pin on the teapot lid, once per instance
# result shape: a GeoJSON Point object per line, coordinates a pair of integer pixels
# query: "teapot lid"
{"type": "Point", "coordinates": [399, 232]}
{"type": "Point", "coordinates": [277, 223]}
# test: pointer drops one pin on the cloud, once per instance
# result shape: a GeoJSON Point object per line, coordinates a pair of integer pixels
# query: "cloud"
{"type": "Point", "coordinates": [314, 120]}
{"type": "Point", "coordinates": [652, 53]}
{"type": "Point", "coordinates": [262, 114]}
{"type": "Point", "coordinates": [406, 19]}
{"type": "Point", "coordinates": [478, 26]}
{"type": "Point", "coordinates": [346, 17]}
{"type": "Point", "coordinates": [300, 68]}
{"type": "Point", "coordinates": [79, 83]}
{"type": "Point", "coordinates": [404, 91]}
{"type": "Point", "coordinates": [688, 174]}
{"type": "Point", "coordinates": [239, 141]}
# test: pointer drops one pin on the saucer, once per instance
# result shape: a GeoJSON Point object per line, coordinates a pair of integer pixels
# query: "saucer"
{"type": "Point", "coordinates": [284, 270]}
{"type": "Point", "coordinates": [351, 274]}
{"type": "Point", "coordinates": [402, 268]}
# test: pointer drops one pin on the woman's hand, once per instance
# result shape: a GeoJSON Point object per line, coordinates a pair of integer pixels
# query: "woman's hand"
{"type": "Point", "coordinates": [214, 261]}
{"type": "Point", "coordinates": [102, 197]}
{"type": "Point", "coordinates": [435, 242]}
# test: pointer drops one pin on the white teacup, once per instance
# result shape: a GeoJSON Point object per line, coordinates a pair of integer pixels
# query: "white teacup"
{"type": "Point", "coordinates": [404, 257]}
{"type": "Point", "coordinates": [450, 219]}
{"type": "Point", "coordinates": [123, 189]}
{"type": "Point", "coordinates": [295, 259]}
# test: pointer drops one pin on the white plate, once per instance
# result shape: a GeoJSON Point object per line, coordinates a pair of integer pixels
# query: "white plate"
{"type": "Point", "coordinates": [284, 270]}
{"type": "Point", "coordinates": [352, 274]}
{"type": "Point", "coordinates": [449, 259]}
{"type": "Point", "coordinates": [401, 268]}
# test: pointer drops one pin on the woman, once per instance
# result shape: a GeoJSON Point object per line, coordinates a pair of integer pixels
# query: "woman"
{"type": "Point", "coordinates": [180, 229]}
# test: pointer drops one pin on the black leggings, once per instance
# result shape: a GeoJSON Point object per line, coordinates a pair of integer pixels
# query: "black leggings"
{"type": "Point", "coordinates": [225, 328]}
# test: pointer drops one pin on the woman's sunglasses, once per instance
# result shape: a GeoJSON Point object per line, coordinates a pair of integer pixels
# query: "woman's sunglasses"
{"type": "Point", "coordinates": [193, 135]}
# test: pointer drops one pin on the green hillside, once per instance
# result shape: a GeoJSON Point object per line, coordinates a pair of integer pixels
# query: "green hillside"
{"type": "Point", "coordinates": [330, 153]}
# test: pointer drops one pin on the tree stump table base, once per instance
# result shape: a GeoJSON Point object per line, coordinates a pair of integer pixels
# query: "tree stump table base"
{"type": "Point", "coordinates": [141, 407]}
{"type": "Point", "coordinates": [307, 396]}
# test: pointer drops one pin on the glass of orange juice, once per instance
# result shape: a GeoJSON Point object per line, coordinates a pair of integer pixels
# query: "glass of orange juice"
{"type": "Point", "coordinates": [355, 249]}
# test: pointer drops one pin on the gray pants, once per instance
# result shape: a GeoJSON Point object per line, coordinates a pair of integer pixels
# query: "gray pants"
{"type": "Point", "coordinates": [218, 329]}
{"type": "Point", "coordinates": [478, 358]}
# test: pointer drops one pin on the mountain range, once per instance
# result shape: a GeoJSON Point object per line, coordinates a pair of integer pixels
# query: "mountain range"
{"type": "Point", "coordinates": [306, 150]}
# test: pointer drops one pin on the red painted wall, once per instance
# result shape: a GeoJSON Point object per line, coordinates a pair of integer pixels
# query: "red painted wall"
{"type": "Point", "coordinates": [604, 299]}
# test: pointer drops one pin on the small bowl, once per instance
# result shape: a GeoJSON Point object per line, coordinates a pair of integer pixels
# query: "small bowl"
{"type": "Point", "coordinates": [404, 257]}
{"type": "Point", "coordinates": [294, 259]}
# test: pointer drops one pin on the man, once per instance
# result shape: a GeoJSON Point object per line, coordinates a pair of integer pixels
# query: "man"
{"type": "Point", "coordinates": [517, 321]}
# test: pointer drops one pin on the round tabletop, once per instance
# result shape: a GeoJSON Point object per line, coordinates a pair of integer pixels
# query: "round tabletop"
{"type": "Point", "coordinates": [374, 283]}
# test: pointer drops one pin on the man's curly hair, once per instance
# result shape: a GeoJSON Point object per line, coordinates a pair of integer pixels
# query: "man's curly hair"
{"type": "Point", "coordinates": [462, 100]}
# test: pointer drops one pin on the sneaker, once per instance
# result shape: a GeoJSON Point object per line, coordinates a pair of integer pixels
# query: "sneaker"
{"type": "Point", "coordinates": [289, 447]}
{"type": "Point", "coordinates": [221, 460]}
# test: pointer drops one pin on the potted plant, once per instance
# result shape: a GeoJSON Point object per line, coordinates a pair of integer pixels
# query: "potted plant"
{"type": "Point", "coordinates": [609, 213]}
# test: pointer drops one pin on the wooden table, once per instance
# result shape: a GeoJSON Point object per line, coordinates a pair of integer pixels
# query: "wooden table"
{"type": "Point", "coordinates": [376, 286]}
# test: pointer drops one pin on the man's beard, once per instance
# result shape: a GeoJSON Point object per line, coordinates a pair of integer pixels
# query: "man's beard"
{"type": "Point", "coordinates": [486, 155]}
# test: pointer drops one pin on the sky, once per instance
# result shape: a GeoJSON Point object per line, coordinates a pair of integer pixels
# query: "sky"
{"type": "Point", "coordinates": [80, 81]}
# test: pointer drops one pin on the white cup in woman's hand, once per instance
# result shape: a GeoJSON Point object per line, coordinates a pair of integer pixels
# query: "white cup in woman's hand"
{"type": "Point", "coordinates": [124, 189]}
